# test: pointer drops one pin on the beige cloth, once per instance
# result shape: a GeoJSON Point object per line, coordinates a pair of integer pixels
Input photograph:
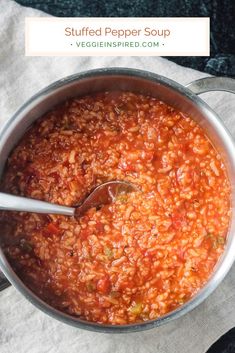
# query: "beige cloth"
{"type": "Point", "coordinates": [23, 328]}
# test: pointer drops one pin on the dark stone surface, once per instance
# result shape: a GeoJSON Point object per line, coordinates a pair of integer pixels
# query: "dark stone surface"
{"type": "Point", "coordinates": [226, 343]}
{"type": "Point", "coordinates": [221, 12]}
{"type": "Point", "coordinates": [4, 283]}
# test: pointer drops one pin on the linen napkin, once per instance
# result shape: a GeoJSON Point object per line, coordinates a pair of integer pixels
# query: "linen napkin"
{"type": "Point", "coordinates": [23, 328]}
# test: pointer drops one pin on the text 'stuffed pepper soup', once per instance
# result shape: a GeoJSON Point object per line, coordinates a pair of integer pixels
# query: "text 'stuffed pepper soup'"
{"type": "Point", "coordinates": [149, 251]}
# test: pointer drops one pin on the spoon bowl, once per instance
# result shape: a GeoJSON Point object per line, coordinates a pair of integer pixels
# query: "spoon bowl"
{"type": "Point", "coordinates": [105, 194]}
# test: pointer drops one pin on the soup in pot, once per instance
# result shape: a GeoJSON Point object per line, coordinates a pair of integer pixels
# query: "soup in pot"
{"type": "Point", "coordinates": [149, 251]}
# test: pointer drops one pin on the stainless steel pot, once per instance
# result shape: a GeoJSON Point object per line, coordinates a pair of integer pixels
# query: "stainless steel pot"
{"type": "Point", "coordinates": [182, 98]}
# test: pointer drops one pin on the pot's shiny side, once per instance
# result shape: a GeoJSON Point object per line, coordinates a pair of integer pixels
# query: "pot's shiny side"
{"type": "Point", "coordinates": [140, 82]}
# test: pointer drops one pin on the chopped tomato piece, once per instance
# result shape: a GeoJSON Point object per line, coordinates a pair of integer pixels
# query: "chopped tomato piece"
{"type": "Point", "coordinates": [126, 165]}
{"type": "Point", "coordinates": [180, 254]}
{"type": "Point", "coordinates": [177, 220]}
{"type": "Point", "coordinates": [99, 227]}
{"type": "Point", "coordinates": [103, 285]}
{"type": "Point", "coordinates": [84, 234]}
{"type": "Point", "coordinates": [52, 228]}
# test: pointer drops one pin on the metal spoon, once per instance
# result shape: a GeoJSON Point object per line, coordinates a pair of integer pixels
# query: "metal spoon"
{"type": "Point", "coordinates": [101, 195]}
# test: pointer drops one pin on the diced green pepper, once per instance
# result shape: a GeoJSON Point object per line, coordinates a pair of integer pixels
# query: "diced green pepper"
{"type": "Point", "coordinates": [117, 110]}
{"type": "Point", "coordinates": [136, 309]}
{"type": "Point", "coordinates": [90, 286]}
{"type": "Point", "coordinates": [220, 240]}
{"type": "Point", "coordinates": [108, 252]}
{"type": "Point", "coordinates": [216, 240]}
{"type": "Point", "coordinates": [26, 246]}
{"type": "Point", "coordinates": [122, 198]}
{"type": "Point", "coordinates": [114, 294]}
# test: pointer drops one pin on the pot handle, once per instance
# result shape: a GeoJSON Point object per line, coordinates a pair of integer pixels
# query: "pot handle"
{"type": "Point", "coordinates": [208, 84]}
{"type": "Point", "coordinates": [4, 283]}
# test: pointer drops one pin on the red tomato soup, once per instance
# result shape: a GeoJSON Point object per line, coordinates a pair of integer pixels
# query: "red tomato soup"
{"type": "Point", "coordinates": [149, 251]}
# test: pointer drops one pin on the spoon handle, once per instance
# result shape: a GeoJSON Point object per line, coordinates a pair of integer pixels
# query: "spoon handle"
{"type": "Point", "coordinates": [17, 203]}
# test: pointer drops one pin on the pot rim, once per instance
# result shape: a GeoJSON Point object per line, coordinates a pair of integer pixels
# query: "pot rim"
{"type": "Point", "coordinates": [228, 256]}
